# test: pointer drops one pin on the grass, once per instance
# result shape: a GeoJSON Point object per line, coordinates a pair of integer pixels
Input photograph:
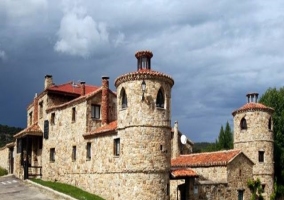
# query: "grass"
{"type": "Point", "coordinates": [3, 171]}
{"type": "Point", "coordinates": [68, 189]}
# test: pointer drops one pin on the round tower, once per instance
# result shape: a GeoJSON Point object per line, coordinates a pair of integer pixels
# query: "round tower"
{"type": "Point", "coordinates": [144, 129]}
{"type": "Point", "coordinates": [253, 134]}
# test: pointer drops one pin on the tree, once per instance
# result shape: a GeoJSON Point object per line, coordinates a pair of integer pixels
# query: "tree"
{"type": "Point", "coordinates": [275, 98]}
{"type": "Point", "coordinates": [256, 189]}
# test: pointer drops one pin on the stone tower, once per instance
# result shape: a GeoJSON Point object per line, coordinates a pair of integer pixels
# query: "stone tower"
{"type": "Point", "coordinates": [144, 130]}
{"type": "Point", "coordinates": [253, 134]}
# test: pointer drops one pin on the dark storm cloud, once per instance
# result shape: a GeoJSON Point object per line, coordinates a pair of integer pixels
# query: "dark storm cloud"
{"type": "Point", "coordinates": [216, 51]}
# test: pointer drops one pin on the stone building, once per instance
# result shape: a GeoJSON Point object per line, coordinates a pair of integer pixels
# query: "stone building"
{"type": "Point", "coordinates": [120, 144]}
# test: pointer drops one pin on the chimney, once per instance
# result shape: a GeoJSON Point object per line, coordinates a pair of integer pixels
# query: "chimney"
{"type": "Point", "coordinates": [35, 115]}
{"type": "Point", "coordinates": [83, 88]}
{"type": "Point", "coordinates": [105, 99]}
{"type": "Point", "coordinates": [48, 81]}
{"type": "Point", "coordinates": [175, 142]}
{"type": "Point", "coordinates": [144, 60]}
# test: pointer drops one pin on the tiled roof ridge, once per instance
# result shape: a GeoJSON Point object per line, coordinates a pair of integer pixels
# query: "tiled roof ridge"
{"type": "Point", "coordinates": [218, 158]}
{"type": "Point", "coordinates": [77, 100]}
{"type": "Point", "coordinates": [253, 106]}
{"type": "Point", "coordinates": [142, 74]}
{"type": "Point", "coordinates": [34, 128]}
{"type": "Point", "coordinates": [109, 127]}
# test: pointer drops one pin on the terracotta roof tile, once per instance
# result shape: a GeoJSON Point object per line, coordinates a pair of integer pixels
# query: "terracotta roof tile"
{"type": "Point", "coordinates": [31, 130]}
{"type": "Point", "coordinates": [110, 127]}
{"type": "Point", "coordinates": [71, 89]}
{"type": "Point", "coordinates": [253, 106]}
{"type": "Point", "coordinates": [218, 158]}
{"type": "Point", "coordinates": [186, 172]}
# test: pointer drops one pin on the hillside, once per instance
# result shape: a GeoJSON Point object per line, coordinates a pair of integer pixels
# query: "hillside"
{"type": "Point", "coordinates": [6, 134]}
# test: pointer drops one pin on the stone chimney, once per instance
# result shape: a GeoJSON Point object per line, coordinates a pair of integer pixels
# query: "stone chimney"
{"type": "Point", "coordinates": [48, 81]}
{"type": "Point", "coordinates": [35, 115]}
{"type": "Point", "coordinates": [175, 143]}
{"type": "Point", "coordinates": [252, 97]}
{"type": "Point", "coordinates": [83, 88]}
{"type": "Point", "coordinates": [105, 99]}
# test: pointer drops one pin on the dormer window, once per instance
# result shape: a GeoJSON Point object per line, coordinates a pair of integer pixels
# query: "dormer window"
{"type": "Point", "coordinates": [123, 99]}
{"type": "Point", "coordinates": [160, 101]}
{"type": "Point", "coordinates": [243, 124]}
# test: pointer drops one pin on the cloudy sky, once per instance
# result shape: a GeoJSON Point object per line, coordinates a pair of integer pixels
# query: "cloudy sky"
{"type": "Point", "coordinates": [216, 50]}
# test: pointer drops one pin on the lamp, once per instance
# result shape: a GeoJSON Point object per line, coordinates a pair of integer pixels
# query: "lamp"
{"type": "Point", "coordinates": [143, 87]}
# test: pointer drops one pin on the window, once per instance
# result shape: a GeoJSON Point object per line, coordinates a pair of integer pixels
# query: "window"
{"type": "Point", "coordinates": [89, 145]}
{"type": "Point", "coordinates": [240, 194]}
{"type": "Point", "coordinates": [52, 119]}
{"type": "Point", "coordinates": [160, 99]}
{"type": "Point", "coordinates": [73, 153]}
{"type": "Point", "coordinates": [30, 118]}
{"type": "Point", "coordinates": [269, 124]}
{"type": "Point", "coordinates": [96, 111]}
{"type": "Point", "coordinates": [40, 109]}
{"type": "Point", "coordinates": [117, 146]}
{"type": "Point", "coordinates": [39, 142]}
{"type": "Point", "coordinates": [263, 188]}
{"type": "Point", "coordinates": [168, 189]}
{"type": "Point", "coordinates": [52, 155]}
{"type": "Point", "coordinates": [261, 156]}
{"type": "Point", "coordinates": [243, 124]}
{"type": "Point", "coordinates": [123, 99]}
{"type": "Point", "coordinates": [19, 145]}
{"type": "Point", "coordinates": [73, 114]}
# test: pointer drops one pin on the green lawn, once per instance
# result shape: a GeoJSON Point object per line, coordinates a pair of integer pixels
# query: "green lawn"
{"type": "Point", "coordinates": [3, 171]}
{"type": "Point", "coordinates": [68, 189]}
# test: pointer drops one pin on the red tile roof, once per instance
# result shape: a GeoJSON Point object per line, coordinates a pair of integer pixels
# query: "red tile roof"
{"type": "Point", "coordinates": [31, 130]}
{"type": "Point", "coordinates": [70, 88]}
{"type": "Point", "coordinates": [186, 172]}
{"type": "Point", "coordinates": [218, 158]}
{"type": "Point", "coordinates": [110, 127]}
{"type": "Point", "coordinates": [253, 106]}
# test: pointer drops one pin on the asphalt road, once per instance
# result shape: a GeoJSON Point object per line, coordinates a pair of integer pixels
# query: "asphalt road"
{"type": "Point", "coordinates": [12, 188]}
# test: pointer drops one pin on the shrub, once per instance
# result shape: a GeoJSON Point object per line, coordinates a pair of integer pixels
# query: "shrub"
{"type": "Point", "coordinates": [3, 171]}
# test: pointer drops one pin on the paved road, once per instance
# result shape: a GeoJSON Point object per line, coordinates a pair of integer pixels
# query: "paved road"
{"type": "Point", "coordinates": [12, 188]}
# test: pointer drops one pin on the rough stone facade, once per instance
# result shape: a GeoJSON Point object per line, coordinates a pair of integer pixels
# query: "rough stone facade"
{"type": "Point", "coordinates": [121, 145]}
{"type": "Point", "coordinates": [253, 134]}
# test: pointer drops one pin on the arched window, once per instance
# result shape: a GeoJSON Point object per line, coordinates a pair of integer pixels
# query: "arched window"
{"type": "Point", "coordinates": [123, 99]}
{"type": "Point", "coordinates": [160, 101]}
{"type": "Point", "coordinates": [269, 124]}
{"type": "Point", "coordinates": [243, 123]}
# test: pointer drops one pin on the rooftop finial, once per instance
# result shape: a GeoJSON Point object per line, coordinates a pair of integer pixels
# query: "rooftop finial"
{"type": "Point", "coordinates": [143, 60]}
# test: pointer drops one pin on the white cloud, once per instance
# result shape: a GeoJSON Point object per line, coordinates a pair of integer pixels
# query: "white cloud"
{"type": "Point", "coordinates": [79, 34]}
{"type": "Point", "coordinates": [24, 12]}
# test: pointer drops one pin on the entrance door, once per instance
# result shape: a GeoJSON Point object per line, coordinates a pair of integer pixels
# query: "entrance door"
{"type": "Point", "coordinates": [11, 160]}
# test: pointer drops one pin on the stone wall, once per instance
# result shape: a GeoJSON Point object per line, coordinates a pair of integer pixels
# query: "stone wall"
{"type": "Point", "coordinates": [257, 137]}
{"type": "Point", "coordinates": [4, 155]}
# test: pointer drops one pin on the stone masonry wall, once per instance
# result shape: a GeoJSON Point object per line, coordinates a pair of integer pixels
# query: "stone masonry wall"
{"type": "Point", "coordinates": [257, 137]}
{"type": "Point", "coordinates": [4, 154]}
{"type": "Point", "coordinates": [145, 133]}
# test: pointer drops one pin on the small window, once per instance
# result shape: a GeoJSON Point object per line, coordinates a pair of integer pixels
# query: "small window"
{"type": "Point", "coordinates": [73, 114]}
{"type": "Point", "coordinates": [73, 153]}
{"type": "Point", "coordinates": [117, 146]}
{"type": "Point", "coordinates": [261, 156]}
{"type": "Point", "coordinates": [19, 145]}
{"type": "Point", "coordinates": [269, 124]}
{"type": "Point", "coordinates": [263, 188]}
{"type": "Point", "coordinates": [240, 194]}
{"type": "Point", "coordinates": [168, 189]}
{"type": "Point", "coordinates": [123, 99]}
{"type": "Point", "coordinates": [96, 111]}
{"type": "Point", "coordinates": [52, 155]}
{"type": "Point", "coordinates": [160, 99]}
{"type": "Point", "coordinates": [41, 109]}
{"type": "Point", "coordinates": [30, 118]}
{"type": "Point", "coordinates": [240, 172]}
{"type": "Point", "coordinates": [243, 124]}
{"type": "Point", "coordinates": [52, 119]}
{"type": "Point", "coordinates": [89, 145]}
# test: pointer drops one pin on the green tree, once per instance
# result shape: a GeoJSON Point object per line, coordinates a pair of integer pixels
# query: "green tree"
{"type": "Point", "coordinates": [256, 189]}
{"type": "Point", "coordinates": [275, 98]}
